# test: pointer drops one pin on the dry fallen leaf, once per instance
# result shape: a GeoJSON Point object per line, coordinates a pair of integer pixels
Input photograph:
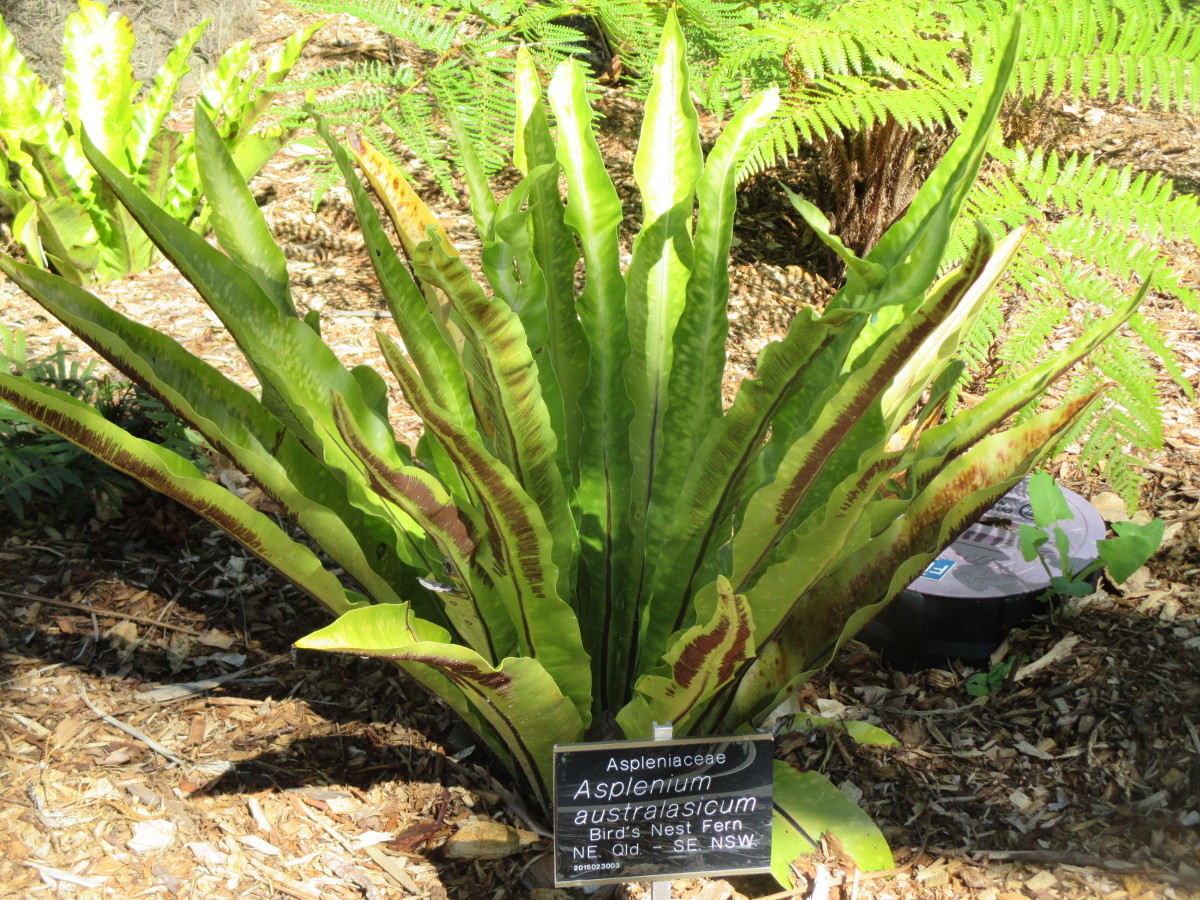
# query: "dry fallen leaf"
{"type": "Point", "coordinates": [1110, 506]}
{"type": "Point", "coordinates": [124, 638]}
{"type": "Point", "coordinates": [480, 838]}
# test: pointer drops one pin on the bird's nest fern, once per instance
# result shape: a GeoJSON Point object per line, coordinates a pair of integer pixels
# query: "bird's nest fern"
{"type": "Point", "coordinates": [844, 68]}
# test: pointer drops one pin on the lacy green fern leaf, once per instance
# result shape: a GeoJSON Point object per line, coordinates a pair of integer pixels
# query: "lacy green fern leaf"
{"type": "Point", "coordinates": [463, 62]}
{"type": "Point", "coordinates": [848, 65]}
{"type": "Point", "coordinates": [1102, 232]}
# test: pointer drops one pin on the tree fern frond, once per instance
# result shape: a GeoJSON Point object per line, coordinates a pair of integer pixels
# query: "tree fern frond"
{"type": "Point", "coordinates": [431, 26]}
{"type": "Point", "coordinates": [407, 118]}
{"type": "Point", "coordinates": [483, 101]}
{"type": "Point", "coordinates": [1119, 198]}
{"type": "Point", "coordinates": [1102, 231]}
{"type": "Point", "coordinates": [855, 103]}
{"type": "Point", "coordinates": [634, 29]}
{"type": "Point", "coordinates": [1154, 341]}
{"type": "Point", "coordinates": [1028, 336]}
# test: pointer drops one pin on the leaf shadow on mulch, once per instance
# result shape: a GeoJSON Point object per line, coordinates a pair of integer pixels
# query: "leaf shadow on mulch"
{"type": "Point", "coordinates": [348, 741]}
{"type": "Point", "coordinates": [1077, 779]}
{"type": "Point", "coordinates": [1080, 779]}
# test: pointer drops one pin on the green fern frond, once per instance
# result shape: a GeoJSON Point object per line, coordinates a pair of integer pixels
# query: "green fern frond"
{"type": "Point", "coordinates": [1102, 230]}
{"type": "Point", "coordinates": [633, 29]}
{"type": "Point", "coordinates": [1119, 198]}
{"type": "Point", "coordinates": [855, 103]}
{"type": "Point", "coordinates": [373, 72]}
{"type": "Point", "coordinates": [1027, 337]}
{"type": "Point", "coordinates": [407, 117]}
{"type": "Point", "coordinates": [1138, 52]}
{"type": "Point", "coordinates": [465, 64]}
{"type": "Point", "coordinates": [430, 26]}
{"type": "Point", "coordinates": [1155, 343]}
{"type": "Point", "coordinates": [483, 102]}
{"type": "Point", "coordinates": [841, 65]}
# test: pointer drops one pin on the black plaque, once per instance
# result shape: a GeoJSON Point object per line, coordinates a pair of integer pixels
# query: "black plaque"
{"type": "Point", "coordinates": [648, 810]}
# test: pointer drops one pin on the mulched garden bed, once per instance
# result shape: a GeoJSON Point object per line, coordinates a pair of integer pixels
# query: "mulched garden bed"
{"type": "Point", "coordinates": [160, 737]}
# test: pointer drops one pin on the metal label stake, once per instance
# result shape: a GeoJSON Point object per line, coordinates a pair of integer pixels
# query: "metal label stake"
{"type": "Point", "coordinates": [661, 890]}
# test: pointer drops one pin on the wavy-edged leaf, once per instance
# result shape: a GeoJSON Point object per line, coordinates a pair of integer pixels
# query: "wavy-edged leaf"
{"type": "Point", "coordinates": [699, 661]}
{"type": "Point", "coordinates": [224, 83]}
{"type": "Point", "coordinates": [516, 547]}
{"type": "Point", "coordinates": [414, 221]}
{"type": "Point", "coordinates": [171, 474]}
{"type": "Point", "coordinates": [289, 359]}
{"type": "Point", "coordinates": [28, 113]}
{"type": "Point", "coordinates": [156, 173]}
{"type": "Point", "coordinates": [556, 254]}
{"type": "Point", "coordinates": [850, 424]}
{"type": "Point", "coordinates": [511, 265]}
{"type": "Point", "coordinates": [807, 807]}
{"type": "Point", "coordinates": [666, 168]}
{"type": "Point", "coordinates": [942, 346]}
{"type": "Point", "coordinates": [933, 210]}
{"type": "Point", "coordinates": [433, 355]}
{"type": "Point", "coordinates": [152, 112]}
{"type": "Point", "coordinates": [834, 609]}
{"type": "Point", "coordinates": [234, 422]}
{"type": "Point", "coordinates": [698, 363]}
{"type": "Point", "coordinates": [239, 122]}
{"type": "Point", "coordinates": [593, 213]}
{"type": "Point", "coordinates": [504, 373]}
{"type": "Point", "coordinates": [519, 698]}
{"type": "Point", "coordinates": [804, 362]}
{"type": "Point", "coordinates": [57, 180]}
{"type": "Point", "coordinates": [415, 225]}
{"type": "Point", "coordinates": [297, 370]}
{"type": "Point", "coordinates": [911, 250]}
{"type": "Point", "coordinates": [98, 76]}
{"type": "Point", "coordinates": [68, 238]}
{"type": "Point", "coordinates": [238, 222]}
{"type": "Point", "coordinates": [470, 601]}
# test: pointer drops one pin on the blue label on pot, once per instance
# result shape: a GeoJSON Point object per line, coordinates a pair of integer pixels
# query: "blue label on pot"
{"type": "Point", "coordinates": [986, 559]}
{"type": "Point", "coordinates": [938, 569]}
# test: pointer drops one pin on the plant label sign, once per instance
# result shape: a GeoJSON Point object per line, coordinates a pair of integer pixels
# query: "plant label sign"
{"type": "Point", "coordinates": [649, 810]}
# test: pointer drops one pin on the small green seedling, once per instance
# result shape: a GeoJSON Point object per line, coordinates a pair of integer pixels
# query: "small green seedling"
{"type": "Point", "coordinates": [1121, 555]}
{"type": "Point", "coordinates": [981, 684]}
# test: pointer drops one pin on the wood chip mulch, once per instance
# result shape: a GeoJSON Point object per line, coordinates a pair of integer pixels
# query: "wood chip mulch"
{"type": "Point", "coordinates": [160, 738]}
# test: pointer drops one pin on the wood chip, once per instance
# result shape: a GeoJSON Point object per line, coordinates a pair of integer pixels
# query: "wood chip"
{"type": "Point", "coordinates": [254, 842]}
{"type": "Point", "coordinates": [1042, 881]}
{"type": "Point", "coordinates": [68, 877]}
{"type": "Point", "coordinates": [1053, 655]}
{"type": "Point", "coordinates": [151, 836]}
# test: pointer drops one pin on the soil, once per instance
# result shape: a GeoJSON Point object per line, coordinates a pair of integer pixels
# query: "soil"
{"type": "Point", "coordinates": [162, 738]}
{"type": "Point", "coordinates": [37, 26]}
